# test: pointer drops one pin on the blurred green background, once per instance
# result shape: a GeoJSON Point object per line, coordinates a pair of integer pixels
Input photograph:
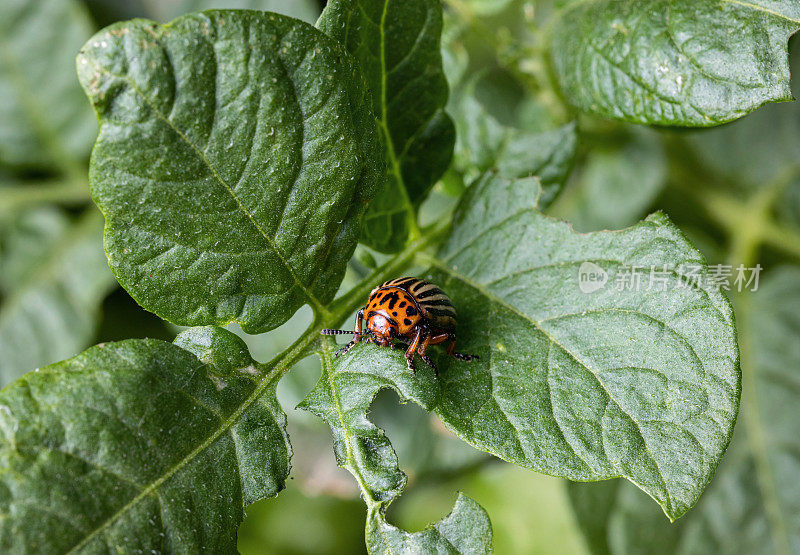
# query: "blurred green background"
{"type": "Point", "coordinates": [734, 190]}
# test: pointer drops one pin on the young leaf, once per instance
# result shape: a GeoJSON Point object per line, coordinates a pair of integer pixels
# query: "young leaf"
{"type": "Point", "coordinates": [44, 120]}
{"type": "Point", "coordinates": [587, 379]}
{"type": "Point", "coordinates": [483, 143]}
{"type": "Point", "coordinates": [236, 154]}
{"type": "Point", "coordinates": [342, 398]}
{"type": "Point", "coordinates": [140, 445]}
{"type": "Point", "coordinates": [54, 277]}
{"type": "Point", "coordinates": [752, 505]}
{"type": "Point", "coordinates": [673, 63]}
{"type": "Point", "coordinates": [397, 43]}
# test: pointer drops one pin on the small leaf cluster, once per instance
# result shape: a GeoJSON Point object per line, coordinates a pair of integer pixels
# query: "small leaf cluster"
{"type": "Point", "coordinates": [250, 166]}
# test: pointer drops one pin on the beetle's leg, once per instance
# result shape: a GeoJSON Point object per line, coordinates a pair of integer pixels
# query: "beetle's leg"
{"type": "Point", "coordinates": [359, 323]}
{"type": "Point", "coordinates": [451, 350]}
{"type": "Point", "coordinates": [412, 349]}
{"type": "Point", "coordinates": [358, 334]}
{"type": "Point", "coordinates": [423, 346]}
{"type": "Point", "coordinates": [430, 363]}
{"type": "Point", "coordinates": [441, 338]}
{"type": "Point", "coordinates": [346, 348]}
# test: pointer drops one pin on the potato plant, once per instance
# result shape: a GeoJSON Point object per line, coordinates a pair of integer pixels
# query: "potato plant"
{"type": "Point", "coordinates": [249, 165]}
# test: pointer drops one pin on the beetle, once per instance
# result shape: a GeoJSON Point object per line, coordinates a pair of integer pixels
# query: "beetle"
{"type": "Point", "coordinates": [410, 310]}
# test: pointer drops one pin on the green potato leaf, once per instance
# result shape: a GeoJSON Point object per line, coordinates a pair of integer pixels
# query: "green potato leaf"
{"type": "Point", "coordinates": [53, 275]}
{"type": "Point", "coordinates": [586, 379]}
{"type": "Point", "coordinates": [140, 445]}
{"type": "Point", "coordinates": [397, 43]}
{"type": "Point", "coordinates": [166, 10]}
{"type": "Point", "coordinates": [682, 62]}
{"type": "Point", "coordinates": [758, 150]}
{"type": "Point", "coordinates": [44, 120]}
{"type": "Point", "coordinates": [342, 398]}
{"type": "Point", "coordinates": [236, 154]}
{"type": "Point", "coordinates": [466, 530]}
{"type": "Point", "coordinates": [483, 144]}
{"type": "Point", "coordinates": [752, 505]}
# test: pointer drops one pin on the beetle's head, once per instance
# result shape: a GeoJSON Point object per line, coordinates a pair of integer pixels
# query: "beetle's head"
{"type": "Point", "coordinates": [381, 326]}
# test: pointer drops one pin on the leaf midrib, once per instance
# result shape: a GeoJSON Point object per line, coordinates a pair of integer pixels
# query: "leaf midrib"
{"type": "Point", "coordinates": [373, 507]}
{"type": "Point", "coordinates": [493, 298]}
{"type": "Point", "coordinates": [762, 9]}
{"type": "Point", "coordinates": [383, 122]}
{"type": "Point", "coordinates": [273, 373]}
{"type": "Point", "coordinates": [327, 364]}
{"type": "Point", "coordinates": [312, 299]}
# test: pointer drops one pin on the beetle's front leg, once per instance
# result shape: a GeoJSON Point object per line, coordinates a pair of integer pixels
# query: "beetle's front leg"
{"type": "Point", "coordinates": [359, 324]}
{"type": "Point", "coordinates": [422, 348]}
{"type": "Point", "coordinates": [412, 350]}
{"type": "Point", "coordinates": [356, 337]}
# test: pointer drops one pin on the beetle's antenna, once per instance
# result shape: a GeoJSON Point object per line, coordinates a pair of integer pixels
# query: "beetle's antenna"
{"type": "Point", "coordinates": [336, 332]}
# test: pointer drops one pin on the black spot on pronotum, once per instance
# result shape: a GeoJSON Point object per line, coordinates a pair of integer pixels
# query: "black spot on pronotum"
{"type": "Point", "coordinates": [407, 322]}
{"type": "Point", "coordinates": [394, 313]}
{"type": "Point", "coordinates": [402, 304]}
{"type": "Point", "coordinates": [411, 311]}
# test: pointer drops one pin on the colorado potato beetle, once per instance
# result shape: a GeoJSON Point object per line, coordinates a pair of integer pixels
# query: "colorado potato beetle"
{"type": "Point", "coordinates": [410, 310]}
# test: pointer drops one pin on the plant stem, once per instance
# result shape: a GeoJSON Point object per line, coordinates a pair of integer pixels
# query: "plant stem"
{"type": "Point", "coordinates": [348, 303]}
{"type": "Point", "coordinates": [69, 192]}
{"type": "Point", "coordinates": [749, 225]}
{"type": "Point", "coordinates": [337, 312]}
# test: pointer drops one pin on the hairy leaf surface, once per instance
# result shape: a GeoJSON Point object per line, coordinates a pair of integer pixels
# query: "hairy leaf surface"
{"type": "Point", "coordinates": [758, 150]}
{"type": "Point", "coordinates": [342, 397]}
{"type": "Point", "coordinates": [466, 530]}
{"type": "Point", "coordinates": [140, 445]}
{"type": "Point", "coordinates": [165, 10]}
{"type": "Point", "coordinates": [53, 275]}
{"type": "Point", "coordinates": [397, 43]}
{"type": "Point", "coordinates": [752, 506]}
{"type": "Point", "coordinates": [236, 154]}
{"type": "Point", "coordinates": [674, 62]}
{"type": "Point", "coordinates": [44, 120]}
{"type": "Point", "coordinates": [586, 382]}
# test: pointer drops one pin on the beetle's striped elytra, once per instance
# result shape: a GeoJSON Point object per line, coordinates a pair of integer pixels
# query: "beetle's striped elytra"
{"type": "Point", "coordinates": [410, 310]}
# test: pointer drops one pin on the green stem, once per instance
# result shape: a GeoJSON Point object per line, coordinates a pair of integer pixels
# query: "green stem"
{"type": "Point", "coordinates": [338, 311]}
{"type": "Point", "coordinates": [348, 303]}
{"type": "Point", "coordinates": [748, 224]}
{"type": "Point", "coordinates": [751, 414]}
{"type": "Point", "coordinates": [69, 192]}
